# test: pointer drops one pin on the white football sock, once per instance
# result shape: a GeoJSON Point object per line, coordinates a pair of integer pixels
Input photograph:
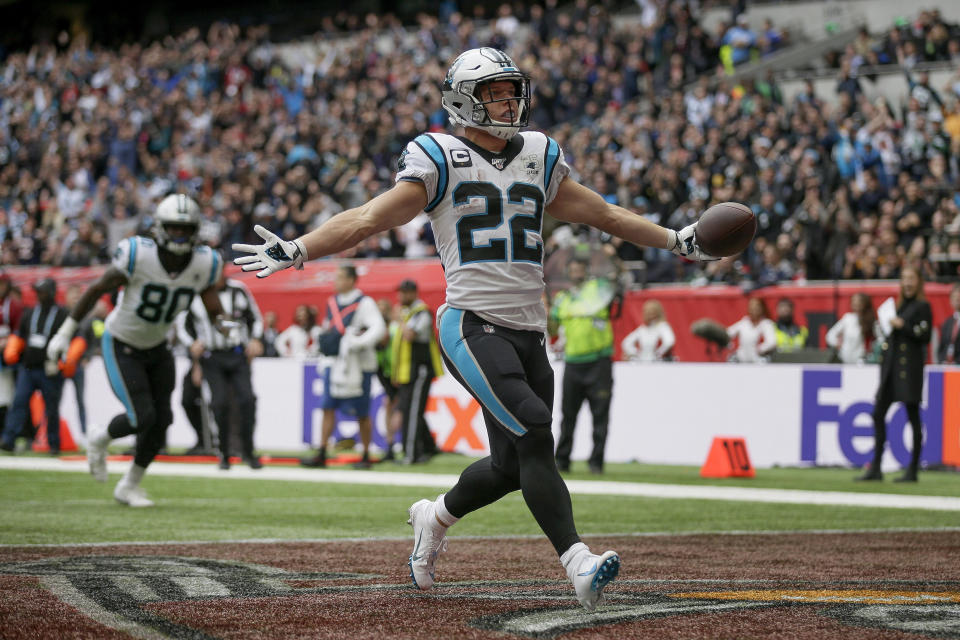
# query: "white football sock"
{"type": "Point", "coordinates": [441, 513]}
{"type": "Point", "coordinates": [134, 475]}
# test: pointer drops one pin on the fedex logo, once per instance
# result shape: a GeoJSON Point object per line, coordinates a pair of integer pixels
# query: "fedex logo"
{"type": "Point", "coordinates": [853, 419]}
{"type": "Point", "coordinates": [453, 416]}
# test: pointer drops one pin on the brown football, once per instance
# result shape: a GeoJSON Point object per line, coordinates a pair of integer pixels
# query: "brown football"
{"type": "Point", "coordinates": [726, 229]}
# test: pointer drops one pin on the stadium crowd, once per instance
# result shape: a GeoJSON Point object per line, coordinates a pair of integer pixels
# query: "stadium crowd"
{"type": "Point", "coordinates": [91, 138]}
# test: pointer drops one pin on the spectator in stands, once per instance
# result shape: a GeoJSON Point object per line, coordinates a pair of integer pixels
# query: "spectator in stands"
{"type": "Point", "coordinates": [741, 40]}
{"type": "Point", "coordinates": [853, 334]}
{"type": "Point", "coordinates": [901, 371]}
{"type": "Point", "coordinates": [848, 83]}
{"type": "Point", "coordinates": [653, 340]}
{"type": "Point", "coordinates": [775, 268]}
{"type": "Point", "coordinates": [755, 334]}
{"type": "Point", "coordinates": [239, 123]}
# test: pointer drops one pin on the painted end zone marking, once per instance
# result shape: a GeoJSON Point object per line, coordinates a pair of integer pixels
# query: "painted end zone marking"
{"type": "Point", "coordinates": [580, 487]}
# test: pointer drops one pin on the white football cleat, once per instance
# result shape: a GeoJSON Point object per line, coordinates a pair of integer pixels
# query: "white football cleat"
{"type": "Point", "coordinates": [593, 574]}
{"type": "Point", "coordinates": [97, 456]}
{"type": "Point", "coordinates": [131, 496]}
{"type": "Point", "coordinates": [429, 540]}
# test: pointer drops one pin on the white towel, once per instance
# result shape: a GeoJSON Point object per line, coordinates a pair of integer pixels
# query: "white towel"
{"type": "Point", "coordinates": [346, 375]}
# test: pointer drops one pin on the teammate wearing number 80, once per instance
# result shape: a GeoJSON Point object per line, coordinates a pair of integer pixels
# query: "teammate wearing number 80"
{"type": "Point", "coordinates": [159, 275]}
{"type": "Point", "coordinates": [486, 192]}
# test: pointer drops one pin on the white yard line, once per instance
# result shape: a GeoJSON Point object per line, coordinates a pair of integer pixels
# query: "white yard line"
{"type": "Point", "coordinates": [518, 536]}
{"type": "Point", "coordinates": [445, 481]}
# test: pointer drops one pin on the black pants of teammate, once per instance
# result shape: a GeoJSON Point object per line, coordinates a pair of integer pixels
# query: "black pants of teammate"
{"type": "Point", "coordinates": [143, 380]}
{"type": "Point", "coordinates": [412, 404]}
{"type": "Point", "coordinates": [593, 382]}
{"type": "Point", "coordinates": [881, 406]}
{"type": "Point", "coordinates": [507, 371]}
{"type": "Point", "coordinates": [228, 374]}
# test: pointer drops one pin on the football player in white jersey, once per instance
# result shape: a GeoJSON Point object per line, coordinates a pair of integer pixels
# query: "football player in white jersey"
{"type": "Point", "coordinates": [160, 276]}
{"type": "Point", "coordinates": [485, 192]}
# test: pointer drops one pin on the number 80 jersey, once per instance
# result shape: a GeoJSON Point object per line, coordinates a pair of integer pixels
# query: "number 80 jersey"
{"type": "Point", "coordinates": [152, 297]}
{"type": "Point", "coordinates": [486, 210]}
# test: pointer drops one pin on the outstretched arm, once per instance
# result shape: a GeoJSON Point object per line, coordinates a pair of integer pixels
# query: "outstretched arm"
{"type": "Point", "coordinates": [578, 204]}
{"type": "Point", "coordinates": [211, 302]}
{"type": "Point", "coordinates": [390, 209]}
{"type": "Point", "coordinates": [111, 280]}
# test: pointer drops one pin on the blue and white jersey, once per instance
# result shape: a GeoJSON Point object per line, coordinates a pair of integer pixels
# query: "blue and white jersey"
{"type": "Point", "coordinates": [486, 210]}
{"type": "Point", "coordinates": [152, 297]}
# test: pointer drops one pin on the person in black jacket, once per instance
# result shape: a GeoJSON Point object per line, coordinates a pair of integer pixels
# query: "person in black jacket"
{"type": "Point", "coordinates": [36, 370]}
{"type": "Point", "coordinates": [948, 351]}
{"type": "Point", "coordinates": [901, 370]}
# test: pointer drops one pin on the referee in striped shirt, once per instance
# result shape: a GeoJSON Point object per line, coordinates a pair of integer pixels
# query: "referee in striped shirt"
{"type": "Point", "coordinates": [225, 360]}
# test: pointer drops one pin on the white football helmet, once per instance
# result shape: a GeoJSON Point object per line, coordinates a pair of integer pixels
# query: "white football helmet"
{"type": "Point", "coordinates": [475, 68]}
{"type": "Point", "coordinates": [176, 210]}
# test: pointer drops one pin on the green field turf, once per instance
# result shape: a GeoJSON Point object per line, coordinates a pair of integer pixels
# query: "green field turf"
{"type": "Point", "coordinates": [932, 483]}
{"type": "Point", "coordinates": [59, 507]}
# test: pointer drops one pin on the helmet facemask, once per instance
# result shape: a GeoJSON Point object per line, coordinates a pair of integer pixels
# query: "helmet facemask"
{"type": "Point", "coordinates": [181, 241]}
{"type": "Point", "coordinates": [518, 115]}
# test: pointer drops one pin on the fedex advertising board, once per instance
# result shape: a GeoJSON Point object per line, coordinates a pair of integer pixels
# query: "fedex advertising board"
{"type": "Point", "coordinates": [837, 416]}
{"type": "Point", "coordinates": [665, 413]}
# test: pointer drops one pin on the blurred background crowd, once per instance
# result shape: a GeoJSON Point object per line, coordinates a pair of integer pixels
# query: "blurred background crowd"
{"type": "Point", "coordinates": [287, 135]}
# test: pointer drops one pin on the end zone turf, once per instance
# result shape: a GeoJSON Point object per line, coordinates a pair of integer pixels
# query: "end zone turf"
{"type": "Point", "coordinates": [859, 586]}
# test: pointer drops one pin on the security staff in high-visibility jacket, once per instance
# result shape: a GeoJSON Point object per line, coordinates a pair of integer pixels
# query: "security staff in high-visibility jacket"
{"type": "Point", "coordinates": [790, 335]}
{"type": "Point", "coordinates": [583, 314]}
{"type": "Point", "coordinates": [415, 363]}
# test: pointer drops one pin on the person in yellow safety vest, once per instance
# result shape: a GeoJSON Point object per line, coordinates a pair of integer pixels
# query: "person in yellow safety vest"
{"type": "Point", "coordinates": [385, 375]}
{"type": "Point", "coordinates": [790, 335]}
{"type": "Point", "coordinates": [415, 362]}
{"type": "Point", "coordinates": [583, 313]}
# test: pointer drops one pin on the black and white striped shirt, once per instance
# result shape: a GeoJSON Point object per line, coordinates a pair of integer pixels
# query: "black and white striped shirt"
{"type": "Point", "coordinates": [238, 305]}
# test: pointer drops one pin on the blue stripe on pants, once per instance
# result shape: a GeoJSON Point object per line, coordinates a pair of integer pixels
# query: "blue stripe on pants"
{"type": "Point", "coordinates": [116, 379]}
{"type": "Point", "coordinates": [457, 350]}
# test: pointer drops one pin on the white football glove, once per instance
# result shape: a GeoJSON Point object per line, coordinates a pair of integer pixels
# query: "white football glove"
{"type": "Point", "coordinates": [275, 254]}
{"type": "Point", "coordinates": [685, 244]}
{"type": "Point", "coordinates": [60, 342]}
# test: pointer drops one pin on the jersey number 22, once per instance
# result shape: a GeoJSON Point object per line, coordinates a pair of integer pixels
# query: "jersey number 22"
{"type": "Point", "coordinates": [495, 250]}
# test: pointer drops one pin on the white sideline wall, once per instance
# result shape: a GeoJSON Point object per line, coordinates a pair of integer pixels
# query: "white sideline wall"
{"type": "Point", "coordinates": [662, 412]}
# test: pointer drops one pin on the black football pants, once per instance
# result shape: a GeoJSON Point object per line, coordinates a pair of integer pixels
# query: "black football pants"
{"type": "Point", "coordinates": [143, 380]}
{"type": "Point", "coordinates": [507, 371]}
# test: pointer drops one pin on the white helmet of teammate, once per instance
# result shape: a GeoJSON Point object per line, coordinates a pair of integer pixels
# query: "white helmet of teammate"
{"type": "Point", "coordinates": [471, 70]}
{"type": "Point", "coordinates": [176, 210]}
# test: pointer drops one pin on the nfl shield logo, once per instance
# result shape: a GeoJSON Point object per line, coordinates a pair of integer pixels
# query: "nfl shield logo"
{"type": "Point", "coordinates": [498, 163]}
{"type": "Point", "coordinates": [488, 328]}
